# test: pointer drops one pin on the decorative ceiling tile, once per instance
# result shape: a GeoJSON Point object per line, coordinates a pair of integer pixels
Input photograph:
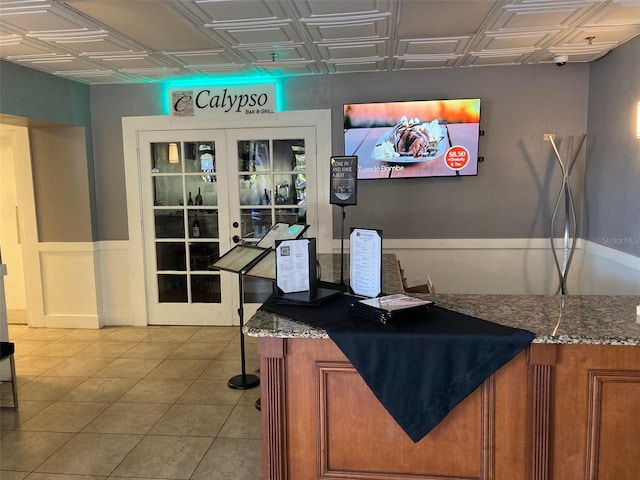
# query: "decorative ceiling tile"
{"type": "Point", "coordinates": [426, 62]}
{"type": "Point", "coordinates": [342, 51]}
{"type": "Point", "coordinates": [443, 18]}
{"type": "Point", "coordinates": [289, 68]}
{"type": "Point", "coordinates": [216, 13]}
{"type": "Point", "coordinates": [278, 53]}
{"type": "Point", "coordinates": [502, 41]}
{"type": "Point", "coordinates": [200, 58]}
{"type": "Point", "coordinates": [126, 41]}
{"type": "Point", "coordinates": [347, 29]}
{"type": "Point", "coordinates": [432, 46]}
{"type": "Point", "coordinates": [325, 10]}
{"type": "Point", "coordinates": [540, 14]}
{"type": "Point", "coordinates": [273, 33]}
{"type": "Point", "coordinates": [618, 13]}
{"type": "Point", "coordinates": [154, 25]}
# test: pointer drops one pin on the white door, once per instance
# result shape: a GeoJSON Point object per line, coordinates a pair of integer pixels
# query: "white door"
{"type": "Point", "coordinates": [202, 191]}
{"type": "Point", "coordinates": [268, 184]}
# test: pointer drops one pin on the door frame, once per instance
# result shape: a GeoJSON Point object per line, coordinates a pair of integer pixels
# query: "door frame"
{"type": "Point", "coordinates": [19, 138]}
{"type": "Point", "coordinates": [320, 119]}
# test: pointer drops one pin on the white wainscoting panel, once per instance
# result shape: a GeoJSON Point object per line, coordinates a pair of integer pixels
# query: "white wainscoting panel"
{"type": "Point", "coordinates": [606, 271]}
{"type": "Point", "coordinates": [118, 301]}
{"type": "Point", "coordinates": [484, 266]}
{"type": "Point", "coordinates": [69, 288]}
{"type": "Point", "coordinates": [512, 266]}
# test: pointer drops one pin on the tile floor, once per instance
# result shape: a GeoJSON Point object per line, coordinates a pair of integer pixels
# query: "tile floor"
{"type": "Point", "coordinates": [130, 403]}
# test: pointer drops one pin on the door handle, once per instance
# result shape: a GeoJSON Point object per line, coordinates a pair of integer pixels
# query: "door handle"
{"type": "Point", "coordinates": [236, 239]}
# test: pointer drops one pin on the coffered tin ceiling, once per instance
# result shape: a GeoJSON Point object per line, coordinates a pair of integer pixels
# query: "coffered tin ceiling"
{"type": "Point", "coordinates": [130, 41]}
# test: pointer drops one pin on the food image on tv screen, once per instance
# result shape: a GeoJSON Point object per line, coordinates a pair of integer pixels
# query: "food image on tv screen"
{"type": "Point", "coordinates": [432, 138]}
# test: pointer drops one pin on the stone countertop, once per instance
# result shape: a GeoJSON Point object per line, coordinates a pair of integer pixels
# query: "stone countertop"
{"type": "Point", "coordinates": [578, 319]}
{"type": "Point", "coordinates": [572, 319]}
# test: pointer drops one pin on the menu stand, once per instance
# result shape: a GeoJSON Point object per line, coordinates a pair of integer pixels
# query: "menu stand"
{"type": "Point", "coordinates": [254, 261]}
{"type": "Point", "coordinates": [238, 260]}
{"type": "Point", "coordinates": [242, 381]}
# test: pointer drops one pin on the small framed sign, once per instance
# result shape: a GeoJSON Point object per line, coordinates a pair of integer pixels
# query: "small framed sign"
{"type": "Point", "coordinates": [344, 181]}
{"type": "Point", "coordinates": [365, 262]}
{"type": "Point", "coordinates": [296, 266]}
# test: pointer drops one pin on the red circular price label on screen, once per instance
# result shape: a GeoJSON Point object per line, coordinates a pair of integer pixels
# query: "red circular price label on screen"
{"type": "Point", "coordinates": [457, 157]}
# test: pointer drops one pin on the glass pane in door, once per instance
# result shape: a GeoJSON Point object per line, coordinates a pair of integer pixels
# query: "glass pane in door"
{"type": "Point", "coordinates": [186, 221]}
{"type": "Point", "coordinates": [271, 188]}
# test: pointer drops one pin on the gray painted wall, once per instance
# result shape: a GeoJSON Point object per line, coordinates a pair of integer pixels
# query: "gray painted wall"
{"type": "Point", "coordinates": [55, 102]}
{"type": "Point", "coordinates": [109, 103]}
{"type": "Point", "coordinates": [612, 205]}
{"type": "Point", "coordinates": [61, 184]}
{"type": "Point", "coordinates": [516, 187]}
{"type": "Point", "coordinates": [511, 197]}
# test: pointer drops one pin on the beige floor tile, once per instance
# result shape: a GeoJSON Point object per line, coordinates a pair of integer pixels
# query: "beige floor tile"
{"type": "Point", "coordinates": [7, 475]}
{"type": "Point", "coordinates": [63, 476]}
{"type": "Point", "coordinates": [24, 451]}
{"type": "Point", "coordinates": [130, 334]}
{"type": "Point", "coordinates": [134, 478]}
{"type": "Point", "coordinates": [198, 350]}
{"type": "Point", "coordinates": [192, 420]}
{"type": "Point", "coordinates": [17, 330]}
{"type": "Point", "coordinates": [156, 390]}
{"type": "Point", "coordinates": [61, 348]}
{"type": "Point", "coordinates": [24, 379]}
{"type": "Point", "coordinates": [164, 457]}
{"type": "Point", "coordinates": [90, 454]}
{"type": "Point", "coordinates": [106, 349]}
{"type": "Point", "coordinates": [180, 416]}
{"type": "Point", "coordinates": [210, 392]}
{"type": "Point", "coordinates": [249, 397]}
{"type": "Point", "coordinates": [225, 369]}
{"type": "Point", "coordinates": [134, 418]}
{"type": "Point", "coordinates": [172, 334]}
{"type": "Point", "coordinates": [11, 419]}
{"type": "Point", "coordinates": [215, 334]}
{"type": "Point", "coordinates": [129, 367]}
{"type": "Point", "coordinates": [32, 365]}
{"type": "Point", "coordinates": [25, 347]}
{"type": "Point", "coordinates": [159, 350]}
{"type": "Point", "coordinates": [113, 477]}
{"type": "Point", "coordinates": [6, 394]}
{"type": "Point", "coordinates": [64, 417]}
{"type": "Point", "coordinates": [244, 422]}
{"type": "Point", "coordinates": [74, 367]}
{"type": "Point", "coordinates": [100, 389]}
{"type": "Point", "coordinates": [88, 334]}
{"type": "Point", "coordinates": [232, 351]}
{"type": "Point", "coordinates": [172, 368]}
{"type": "Point", "coordinates": [44, 333]}
{"type": "Point", "coordinates": [231, 458]}
{"type": "Point", "coordinates": [48, 388]}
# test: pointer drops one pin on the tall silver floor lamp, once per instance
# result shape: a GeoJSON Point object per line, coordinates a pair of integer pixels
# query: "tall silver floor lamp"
{"type": "Point", "coordinates": [570, 219]}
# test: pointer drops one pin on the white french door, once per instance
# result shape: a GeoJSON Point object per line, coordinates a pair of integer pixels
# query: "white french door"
{"type": "Point", "coordinates": [202, 191]}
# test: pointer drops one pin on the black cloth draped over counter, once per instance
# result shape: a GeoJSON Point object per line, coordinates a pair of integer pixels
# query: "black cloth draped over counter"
{"type": "Point", "coordinates": [420, 367]}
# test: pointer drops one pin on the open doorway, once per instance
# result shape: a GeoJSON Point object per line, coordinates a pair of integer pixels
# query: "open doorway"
{"type": "Point", "coordinates": [10, 229]}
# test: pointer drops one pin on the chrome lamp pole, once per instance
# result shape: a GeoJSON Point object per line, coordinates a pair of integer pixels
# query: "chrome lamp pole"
{"type": "Point", "coordinates": [570, 220]}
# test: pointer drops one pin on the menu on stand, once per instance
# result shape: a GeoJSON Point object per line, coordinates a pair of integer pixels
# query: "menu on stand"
{"type": "Point", "coordinates": [281, 231]}
{"type": "Point", "coordinates": [365, 248]}
{"type": "Point", "coordinates": [292, 265]}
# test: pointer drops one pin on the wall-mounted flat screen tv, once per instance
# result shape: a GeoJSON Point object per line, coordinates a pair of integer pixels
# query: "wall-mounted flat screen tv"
{"type": "Point", "coordinates": [430, 138]}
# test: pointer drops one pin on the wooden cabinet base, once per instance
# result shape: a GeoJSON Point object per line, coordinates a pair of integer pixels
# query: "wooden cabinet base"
{"type": "Point", "coordinates": [321, 421]}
